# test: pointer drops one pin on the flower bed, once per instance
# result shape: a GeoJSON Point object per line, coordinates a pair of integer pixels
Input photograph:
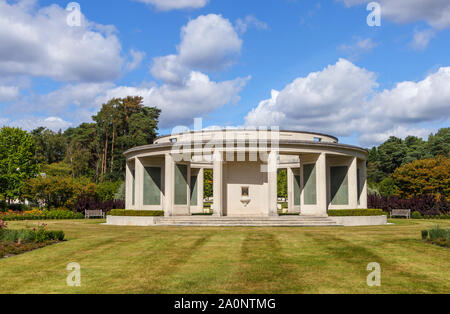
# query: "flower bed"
{"type": "Point", "coordinates": [13, 242]}
{"type": "Point", "coordinates": [40, 215]}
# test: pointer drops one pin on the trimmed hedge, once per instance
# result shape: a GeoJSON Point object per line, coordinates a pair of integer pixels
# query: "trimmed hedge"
{"type": "Point", "coordinates": [136, 213]}
{"type": "Point", "coordinates": [41, 215]}
{"type": "Point", "coordinates": [356, 212]}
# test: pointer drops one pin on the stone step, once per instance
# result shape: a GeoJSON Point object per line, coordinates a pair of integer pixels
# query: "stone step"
{"type": "Point", "coordinates": [294, 221]}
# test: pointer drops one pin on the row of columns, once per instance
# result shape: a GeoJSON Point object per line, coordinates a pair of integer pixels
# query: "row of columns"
{"type": "Point", "coordinates": [322, 185]}
{"type": "Point", "coordinates": [272, 170]}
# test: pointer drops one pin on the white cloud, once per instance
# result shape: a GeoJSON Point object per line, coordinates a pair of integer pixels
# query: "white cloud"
{"type": "Point", "coordinates": [51, 123]}
{"type": "Point", "coordinates": [136, 59]}
{"type": "Point", "coordinates": [39, 42]}
{"type": "Point", "coordinates": [170, 70]}
{"type": "Point", "coordinates": [422, 39]}
{"type": "Point", "coordinates": [342, 99]}
{"type": "Point", "coordinates": [183, 94]}
{"type": "Point", "coordinates": [250, 21]}
{"type": "Point", "coordinates": [8, 93]}
{"type": "Point", "coordinates": [435, 12]}
{"type": "Point", "coordinates": [209, 43]}
{"type": "Point", "coordinates": [357, 48]}
{"type": "Point", "coordinates": [197, 97]}
{"type": "Point", "coordinates": [167, 5]}
{"type": "Point", "coordinates": [180, 104]}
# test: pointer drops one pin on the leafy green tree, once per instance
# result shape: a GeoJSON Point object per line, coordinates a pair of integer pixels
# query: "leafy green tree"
{"type": "Point", "coordinates": [59, 169]}
{"type": "Point", "coordinates": [387, 187]}
{"type": "Point", "coordinates": [439, 144]}
{"type": "Point", "coordinates": [392, 154]}
{"type": "Point", "coordinates": [416, 149]}
{"type": "Point", "coordinates": [374, 172]}
{"type": "Point", "coordinates": [17, 161]}
{"type": "Point", "coordinates": [58, 192]}
{"type": "Point", "coordinates": [208, 184]}
{"type": "Point", "coordinates": [108, 190]}
{"type": "Point", "coordinates": [423, 177]}
{"type": "Point", "coordinates": [50, 146]}
{"type": "Point", "coordinates": [282, 183]}
{"type": "Point", "coordinates": [121, 124]}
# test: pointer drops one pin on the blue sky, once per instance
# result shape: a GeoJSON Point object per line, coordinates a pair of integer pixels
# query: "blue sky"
{"type": "Point", "coordinates": [305, 65]}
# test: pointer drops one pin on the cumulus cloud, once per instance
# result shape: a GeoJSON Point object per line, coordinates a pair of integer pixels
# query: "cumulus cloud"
{"type": "Point", "coordinates": [39, 42]}
{"type": "Point", "coordinates": [51, 123]}
{"type": "Point", "coordinates": [167, 5]}
{"type": "Point", "coordinates": [209, 43]}
{"type": "Point", "coordinates": [435, 12]}
{"type": "Point", "coordinates": [197, 97]}
{"type": "Point", "coordinates": [343, 99]}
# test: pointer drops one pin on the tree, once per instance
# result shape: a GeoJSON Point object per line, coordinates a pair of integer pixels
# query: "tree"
{"type": "Point", "coordinates": [208, 185]}
{"type": "Point", "coordinates": [439, 144]}
{"type": "Point", "coordinates": [17, 161]}
{"type": "Point", "coordinates": [121, 124]}
{"type": "Point", "coordinates": [50, 146]}
{"type": "Point", "coordinates": [58, 192]}
{"type": "Point", "coordinates": [392, 154]}
{"type": "Point", "coordinates": [423, 177]}
{"type": "Point", "coordinates": [282, 183]}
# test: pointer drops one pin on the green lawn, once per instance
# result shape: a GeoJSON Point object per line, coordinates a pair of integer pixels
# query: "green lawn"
{"type": "Point", "coordinates": [231, 260]}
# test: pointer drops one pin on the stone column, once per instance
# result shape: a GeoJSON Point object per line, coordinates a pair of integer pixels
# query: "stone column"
{"type": "Point", "coordinates": [168, 185]}
{"type": "Point", "coordinates": [353, 184]}
{"type": "Point", "coordinates": [272, 173]}
{"type": "Point", "coordinates": [201, 187]}
{"type": "Point", "coordinates": [322, 186]}
{"type": "Point", "coordinates": [139, 185]}
{"type": "Point", "coordinates": [363, 173]}
{"type": "Point", "coordinates": [218, 184]}
{"type": "Point", "coordinates": [290, 180]}
{"type": "Point", "coordinates": [129, 187]}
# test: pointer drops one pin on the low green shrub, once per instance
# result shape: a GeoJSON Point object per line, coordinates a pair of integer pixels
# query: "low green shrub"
{"type": "Point", "coordinates": [41, 215]}
{"type": "Point", "coordinates": [36, 235]}
{"type": "Point", "coordinates": [416, 215]}
{"type": "Point", "coordinates": [356, 212]}
{"type": "Point", "coordinates": [437, 236]}
{"type": "Point", "coordinates": [136, 213]}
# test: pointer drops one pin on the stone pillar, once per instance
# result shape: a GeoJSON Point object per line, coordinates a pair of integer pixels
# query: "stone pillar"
{"type": "Point", "coordinates": [168, 185]}
{"type": "Point", "coordinates": [218, 184]}
{"type": "Point", "coordinates": [363, 173]}
{"type": "Point", "coordinates": [322, 186]}
{"type": "Point", "coordinates": [201, 188]}
{"type": "Point", "coordinates": [353, 184]}
{"type": "Point", "coordinates": [272, 173]}
{"type": "Point", "coordinates": [139, 182]}
{"type": "Point", "coordinates": [290, 180]}
{"type": "Point", "coordinates": [129, 187]}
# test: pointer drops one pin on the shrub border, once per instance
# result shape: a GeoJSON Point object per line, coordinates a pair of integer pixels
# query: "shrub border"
{"type": "Point", "coordinates": [356, 213]}
{"type": "Point", "coordinates": [136, 213]}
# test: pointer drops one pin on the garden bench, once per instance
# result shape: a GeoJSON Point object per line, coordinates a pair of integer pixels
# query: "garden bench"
{"type": "Point", "coordinates": [94, 214]}
{"type": "Point", "coordinates": [401, 213]}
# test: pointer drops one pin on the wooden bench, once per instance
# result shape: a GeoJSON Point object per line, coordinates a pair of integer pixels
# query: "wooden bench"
{"type": "Point", "coordinates": [94, 214]}
{"type": "Point", "coordinates": [401, 213]}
